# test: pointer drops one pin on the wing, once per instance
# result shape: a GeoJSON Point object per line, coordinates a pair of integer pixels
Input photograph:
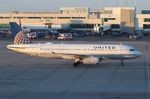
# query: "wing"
{"type": "Point", "coordinates": [73, 56]}
{"type": "Point", "coordinates": [70, 56]}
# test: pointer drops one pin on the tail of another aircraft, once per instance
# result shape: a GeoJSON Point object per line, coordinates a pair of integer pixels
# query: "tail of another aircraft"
{"type": "Point", "coordinates": [19, 35]}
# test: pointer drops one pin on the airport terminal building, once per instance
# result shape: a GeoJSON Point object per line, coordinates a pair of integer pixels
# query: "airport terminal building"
{"type": "Point", "coordinates": [143, 21]}
{"type": "Point", "coordinates": [121, 19]}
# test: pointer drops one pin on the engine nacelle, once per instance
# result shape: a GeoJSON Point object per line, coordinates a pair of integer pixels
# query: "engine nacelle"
{"type": "Point", "coordinates": [90, 60]}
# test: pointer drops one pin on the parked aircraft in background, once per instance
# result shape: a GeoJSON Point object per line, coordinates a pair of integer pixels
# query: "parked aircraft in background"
{"type": "Point", "coordinates": [33, 31]}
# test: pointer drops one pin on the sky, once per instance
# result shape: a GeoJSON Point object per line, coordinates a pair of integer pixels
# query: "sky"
{"type": "Point", "coordinates": [54, 5]}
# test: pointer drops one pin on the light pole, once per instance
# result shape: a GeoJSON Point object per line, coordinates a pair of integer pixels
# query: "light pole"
{"type": "Point", "coordinates": [134, 16]}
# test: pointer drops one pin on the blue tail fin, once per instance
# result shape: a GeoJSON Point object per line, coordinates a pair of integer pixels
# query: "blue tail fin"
{"type": "Point", "coordinates": [14, 28]}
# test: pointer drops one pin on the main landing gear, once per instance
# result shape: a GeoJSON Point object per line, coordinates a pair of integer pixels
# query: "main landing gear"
{"type": "Point", "coordinates": [77, 62]}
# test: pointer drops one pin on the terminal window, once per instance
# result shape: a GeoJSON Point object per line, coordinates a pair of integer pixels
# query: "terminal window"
{"type": "Point", "coordinates": [5, 17]}
{"type": "Point", "coordinates": [78, 17]}
{"type": "Point", "coordinates": [34, 17]}
{"type": "Point", "coordinates": [115, 26]}
{"type": "Point", "coordinates": [107, 19]}
{"type": "Point", "coordinates": [147, 20]}
{"type": "Point", "coordinates": [146, 26]}
{"type": "Point", "coordinates": [63, 17]}
{"type": "Point", "coordinates": [81, 25]}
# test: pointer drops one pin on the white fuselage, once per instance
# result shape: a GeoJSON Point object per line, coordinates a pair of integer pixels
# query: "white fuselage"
{"type": "Point", "coordinates": [73, 51]}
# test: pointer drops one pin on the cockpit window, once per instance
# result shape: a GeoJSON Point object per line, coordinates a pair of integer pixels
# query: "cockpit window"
{"type": "Point", "coordinates": [131, 49]}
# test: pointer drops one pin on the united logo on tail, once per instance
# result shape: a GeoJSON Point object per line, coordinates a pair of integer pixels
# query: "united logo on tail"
{"type": "Point", "coordinates": [19, 35]}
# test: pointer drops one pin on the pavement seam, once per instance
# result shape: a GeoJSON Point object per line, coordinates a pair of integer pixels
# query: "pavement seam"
{"type": "Point", "coordinates": [74, 81]}
{"type": "Point", "coordinates": [37, 82]}
{"type": "Point", "coordinates": [147, 69]}
{"type": "Point", "coordinates": [19, 72]}
{"type": "Point", "coordinates": [110, 81]}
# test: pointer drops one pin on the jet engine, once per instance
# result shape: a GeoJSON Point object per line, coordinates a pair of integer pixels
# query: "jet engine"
{"type": "Point", "coordinates": [90, 60]}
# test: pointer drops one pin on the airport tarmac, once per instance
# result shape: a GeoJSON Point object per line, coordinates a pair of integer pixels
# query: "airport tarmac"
{"type": "Point", "coordinates": [26, 77]}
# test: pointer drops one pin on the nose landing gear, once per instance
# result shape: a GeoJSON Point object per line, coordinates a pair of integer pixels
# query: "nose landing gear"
{"type": "Point", "coordinates": [122, 62]}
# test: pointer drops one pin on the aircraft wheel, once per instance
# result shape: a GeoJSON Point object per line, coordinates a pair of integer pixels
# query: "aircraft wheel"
{"type": "Point", "coordinates": [122, 63]}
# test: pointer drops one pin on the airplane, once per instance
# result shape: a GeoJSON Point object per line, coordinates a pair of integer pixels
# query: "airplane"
{"type": "Point", "coordinates": [81, 53]}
